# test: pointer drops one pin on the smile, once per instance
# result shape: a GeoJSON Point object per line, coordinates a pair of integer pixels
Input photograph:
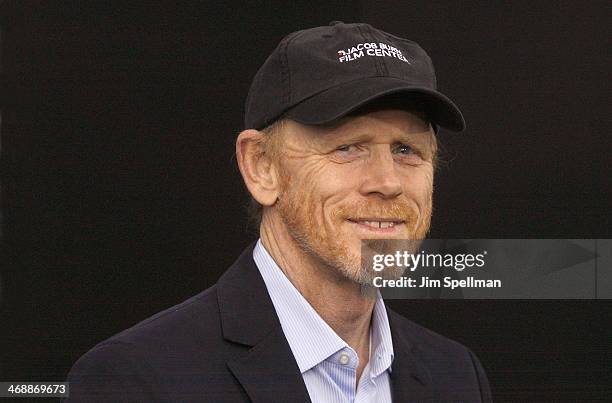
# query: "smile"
{"type": "Point", "coordinates": [377, 224]}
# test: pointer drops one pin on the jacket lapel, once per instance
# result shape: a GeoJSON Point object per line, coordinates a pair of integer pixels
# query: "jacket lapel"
{"type": "Point", "coordinates": [410, 379]}
{"type": "Point", "coordinates": [268, 371]}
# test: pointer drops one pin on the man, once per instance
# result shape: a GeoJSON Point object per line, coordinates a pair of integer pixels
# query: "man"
{"type": "Point", "coordinates": [338, 147]}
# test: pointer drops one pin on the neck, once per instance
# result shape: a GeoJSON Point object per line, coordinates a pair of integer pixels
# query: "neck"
{"type": "Point", "coordinates": [339, 301]}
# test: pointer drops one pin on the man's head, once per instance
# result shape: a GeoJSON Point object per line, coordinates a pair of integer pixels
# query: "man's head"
{"type": "Point", "coordinates": [355, 159]}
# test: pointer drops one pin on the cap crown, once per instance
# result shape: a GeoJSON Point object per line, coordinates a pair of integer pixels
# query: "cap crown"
{"type": "Point", "coordinates": [308, 62]}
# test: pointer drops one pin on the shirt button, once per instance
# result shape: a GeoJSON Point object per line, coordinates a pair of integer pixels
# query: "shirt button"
{"type": "Point", "coordinates": [344, 358]}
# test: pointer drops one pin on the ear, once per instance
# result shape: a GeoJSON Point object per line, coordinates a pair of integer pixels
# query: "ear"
{"type": "Point", "coordinates": [258, 171]}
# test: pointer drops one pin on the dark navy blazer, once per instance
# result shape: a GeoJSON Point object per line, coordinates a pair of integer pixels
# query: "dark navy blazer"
{"type": "Point", "coordinates": [226, 345]}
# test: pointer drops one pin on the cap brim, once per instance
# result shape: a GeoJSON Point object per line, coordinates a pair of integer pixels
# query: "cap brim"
{"type": "Point", "coordinates": [338, 101]}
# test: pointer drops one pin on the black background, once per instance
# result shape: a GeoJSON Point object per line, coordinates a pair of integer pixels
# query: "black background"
{"type": "Point", "coordinates": [121, 197]}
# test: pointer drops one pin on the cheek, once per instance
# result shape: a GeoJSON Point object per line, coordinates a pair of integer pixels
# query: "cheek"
{"type": "Point", "coordinates": [338, 186]}
{"type": "Point", "coordinates": [419, 187]}
{"type": "Point", "coordinates": [329, 185]}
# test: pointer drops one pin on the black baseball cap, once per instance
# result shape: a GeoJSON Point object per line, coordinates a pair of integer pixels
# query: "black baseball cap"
{"type": "Point", "coordinates": [318, 75]}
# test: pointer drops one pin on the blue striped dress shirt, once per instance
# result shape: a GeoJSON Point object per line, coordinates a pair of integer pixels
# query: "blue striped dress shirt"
{"type": "Point", "coordinates": [328, 365]}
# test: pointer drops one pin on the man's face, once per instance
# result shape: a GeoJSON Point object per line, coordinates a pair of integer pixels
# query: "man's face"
{"type": "Point", "coordinates": [365, 177]}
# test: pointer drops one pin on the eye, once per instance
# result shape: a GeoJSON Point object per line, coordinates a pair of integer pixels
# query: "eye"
{"type": "Point", "coordinates": [346, 148]}
{"type": "Point", "coordinates": [403, 149]}
{"type": "Point", "coordinates": [406, 154]}
{"type": "Point", "coordinates": [348, 153]}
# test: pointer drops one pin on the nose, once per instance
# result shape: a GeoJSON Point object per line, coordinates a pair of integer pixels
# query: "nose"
{"type": "Point", "coordinates": [380, 176]}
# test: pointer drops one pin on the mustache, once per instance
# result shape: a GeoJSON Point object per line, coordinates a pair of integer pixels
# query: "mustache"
{"type": "Point", "coordinates": [399, 210]}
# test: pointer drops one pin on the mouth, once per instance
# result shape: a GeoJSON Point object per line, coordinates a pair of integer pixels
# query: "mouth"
{"type": "Point", "coordinates": [378, 224]}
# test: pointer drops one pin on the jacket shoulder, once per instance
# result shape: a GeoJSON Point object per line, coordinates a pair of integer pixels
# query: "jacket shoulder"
{"type": "Point", "coordinates": [199, 313]}
{"type": "Point", "coordinates": [158, 357]}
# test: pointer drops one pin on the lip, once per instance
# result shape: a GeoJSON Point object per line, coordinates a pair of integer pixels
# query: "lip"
{"type": "Point", "coordinates": [397, 228]}
{"type": "Point", "coordinates": [376, 219]}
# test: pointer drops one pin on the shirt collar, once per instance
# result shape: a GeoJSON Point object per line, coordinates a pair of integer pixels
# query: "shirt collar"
{"type": "Point", "coordinates": [381, 347]}
{"type": "Point", "coordinates": [311, 339]}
